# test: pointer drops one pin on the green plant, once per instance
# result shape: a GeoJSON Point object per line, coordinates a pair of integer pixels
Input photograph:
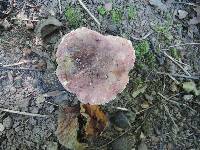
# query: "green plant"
{"type": "Point", "coordinates": [143, 55]}
{"type": "Point", "coordinates": [116, 15]}
{"type": "Point", "coordinates": [175, 53]}
{"type": "Point", "coordinates": [164, 31]}
{"type": "Point", "coordinates": [73, 17]}
{"type": "Point", "coordinates": [142, 48]}
{"type": "Point", "coordinates": [132, 12]}
{"type": "Point", "coordinates": [101, 10]}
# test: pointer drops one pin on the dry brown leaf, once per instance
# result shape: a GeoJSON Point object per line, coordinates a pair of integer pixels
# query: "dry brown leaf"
{"type": "Point", "coordinates": [67, 128]}
{"type": "Point", "coordinates": [97, 120]}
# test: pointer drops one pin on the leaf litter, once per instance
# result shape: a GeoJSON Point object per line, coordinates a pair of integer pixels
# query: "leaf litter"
{"type": "Point", "coordinates": [78, 123]}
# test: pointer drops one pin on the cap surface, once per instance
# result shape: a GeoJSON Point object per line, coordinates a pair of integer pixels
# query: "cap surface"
{"type": "Point", "coordinates": [93, 66]}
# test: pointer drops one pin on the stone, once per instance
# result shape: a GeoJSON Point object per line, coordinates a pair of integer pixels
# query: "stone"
{"type": "Point", "coordinates": [120, 120]}
{"type": "Point", "coordinates": [7, 122]}
{"type": "Point", "coordinates": [182, 14]}
{"type": "Point", "coordinates": [188, 97]}
{"type": "Point", "coordinates": [1, 127]}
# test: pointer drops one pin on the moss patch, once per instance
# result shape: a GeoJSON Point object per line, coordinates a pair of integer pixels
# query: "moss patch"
{"type": "Point", "coordinates": [73, 16]}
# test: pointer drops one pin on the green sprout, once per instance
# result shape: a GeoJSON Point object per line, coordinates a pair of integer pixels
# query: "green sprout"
{"type": "Point", "coordinates": [101, 10]}
{"type": "Point", "coordinates": [132, 12]}
{"type": "Point", "coordinates": [142, 48]}
{"type": "Point", "coordinates": [116, 15]}
{"type": "Point", "coordinates": [73, 17]}
{"type": "Point", "coordinates": [143, 55]}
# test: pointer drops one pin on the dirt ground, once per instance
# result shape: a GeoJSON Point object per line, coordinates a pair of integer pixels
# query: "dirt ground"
{"type": "Point", "coordinates": [162, 114]}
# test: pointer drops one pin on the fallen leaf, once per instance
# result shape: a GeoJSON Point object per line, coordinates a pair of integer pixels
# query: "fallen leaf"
{"type": "Point", "coordinates": [53, 93]}
{"type": "Point", "coordinates": [158, 4]}
{"type": "Point", "coordinates": [47, 26]}
{"type": "Point", "coordinates": [182, 14]}
{"type": "Point", "coordinates": [40, 99]}
{"type": "Point", "coordinates": [145, 105]}
{"type": "Point", "coordinates": [68, 127]}
{"type": "Point", "coordinates": [190, 87]}
{"type": "Point", "coordinates": [140, 90]}
{"type": "Point", "coordinates": [97, 120]}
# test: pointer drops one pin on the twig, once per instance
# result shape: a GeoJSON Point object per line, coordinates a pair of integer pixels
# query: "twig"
{"type": "Point", "coordinates": [24, 69]}
{"type": "Point", "coordinates": [175, 62]}
{"type": "Point", "coordinates": [175, 102]}
{"type": "Point", "coordinates": [170, 76]}
{"type": "Point", "coordinates": [167, 110]}
{"type": "Point", "coordinates": [87, 10]}
{"type": "Point", "coordinates": [142, 38]}
{"type": "Point", "coordinates": [139, 112]}
{"type": "Point", "coordinates": [180, 76]}
{"type": "Point", "coordinates": [22, 113]}
{"type": "Point", "coordinates": [60, 8]}
{"type": "Point", "coordinates": [190, 4]}
{"type": "Point", "coordinates": [25, 19]}
{"type": "Point", "coordinates": [183, 44]}
{"type": "Point", "coordinates": [119, 108]}
{"type": "Point", "coordinates": [187, 77]}
{"type": "Point", "coordinates": [16, 64]}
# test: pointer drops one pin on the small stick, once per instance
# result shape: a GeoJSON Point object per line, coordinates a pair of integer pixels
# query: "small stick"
{"type": "Point", "coordinates": [167, 110]}
{"type": "Point", "coordinates": [187, 77]}
{"type": "Point", "coordinates": [184, 44]}
{"type": "Point", "coordinates": [24, 69]}
{"type": "Point", "coordinates": [174, 102]}
{"type": "Point", "coordinates": [180, 76]}
{"type": "Point", "coordinates": [190, 4]}
{"type": "Point", "coordinates": [25, 19]}
{"type": "Point", "coordinates": [142, 38]}
{"type": "Point", "coordinates": [60, 8]}
{"type": "Point", "coordinates": [177, 45]}
{"type": "Point", "coordinates": [22, 113]}
{"type": "Point", "coordinates": [139, 112]}
{"type": "Point", "coordinates": [170, 76]}
{"type": "Point", "coordinates": [175, 62]}
{"type": "Point", "coordinates": [87, 10]}
{"type": "Point", "coordinates": [16, 64]}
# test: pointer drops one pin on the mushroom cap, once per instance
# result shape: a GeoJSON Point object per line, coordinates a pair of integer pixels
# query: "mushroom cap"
{"type": "Point", "coordinates": [93, 66]}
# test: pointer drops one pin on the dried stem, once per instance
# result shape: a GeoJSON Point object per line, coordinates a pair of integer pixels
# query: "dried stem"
{"type": "Point", "coordinates": [175, 62]}
{"type": "Point", "coordinates": [60, 8]}
{"type": "Point", "coordinates": [142, 38]}
{"type": "Point", "coordinates": [22, 113]}
{"type": "Point", "coordinates": [87, 10]}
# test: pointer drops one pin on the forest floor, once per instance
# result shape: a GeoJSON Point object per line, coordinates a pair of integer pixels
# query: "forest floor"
{"type": "Point", "coordinates": [161, 103]}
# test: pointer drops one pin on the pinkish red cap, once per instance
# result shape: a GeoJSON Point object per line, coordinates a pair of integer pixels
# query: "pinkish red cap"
{"type": "Point", "coordinates": [93, 66]}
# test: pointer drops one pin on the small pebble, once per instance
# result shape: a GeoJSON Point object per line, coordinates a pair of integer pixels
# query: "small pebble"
{"type": "Point", "coordinates": [188, 97]}
{"type": "Point", "coordinates": [1, 127]}
{"type": "Point", "coordinates": [182, 14]}
{"type": "Point", "coordinates": [120, 120]}
{"type": "Point", "coordinates": [7, 122]}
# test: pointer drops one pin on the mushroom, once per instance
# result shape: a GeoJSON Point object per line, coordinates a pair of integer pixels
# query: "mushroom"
{"type": "Point", "coordinates": [93, 66]}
